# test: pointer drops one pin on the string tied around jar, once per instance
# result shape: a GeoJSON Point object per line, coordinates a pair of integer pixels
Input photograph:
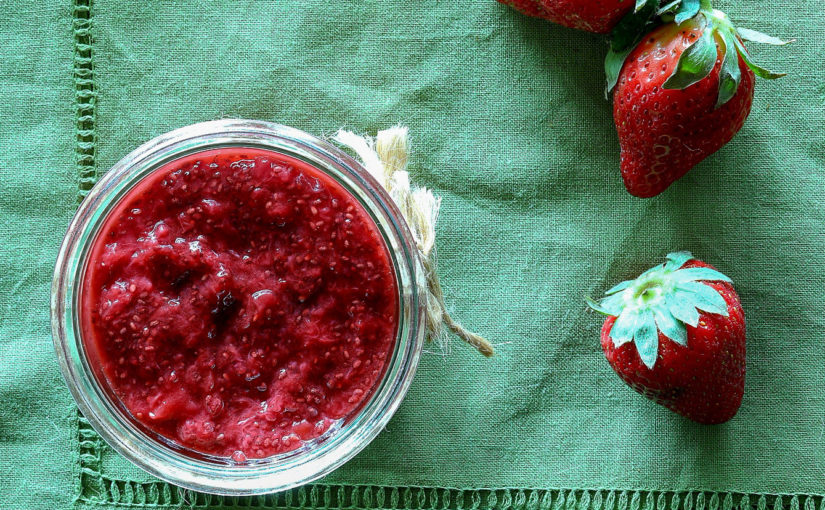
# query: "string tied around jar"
{"type": "Point", "coordinates": [385, 158]}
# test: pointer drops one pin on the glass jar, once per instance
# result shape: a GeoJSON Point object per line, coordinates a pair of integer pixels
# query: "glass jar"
{"type": "Point", "coordinates": [187, 468]}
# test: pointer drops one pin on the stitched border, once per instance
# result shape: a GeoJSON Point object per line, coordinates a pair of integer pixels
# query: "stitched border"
{"type": "Point", "coordinates": [85, 96]}
{"type": "Point", "coordinates": [98, 489]}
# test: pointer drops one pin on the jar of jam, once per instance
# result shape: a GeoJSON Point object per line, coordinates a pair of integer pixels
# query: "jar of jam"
{"type": "Point", "coordinates": [238, 307]}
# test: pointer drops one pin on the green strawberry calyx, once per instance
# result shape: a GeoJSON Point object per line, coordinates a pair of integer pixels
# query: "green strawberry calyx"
{"type": "Point", "coordinates": [698, 60]}
{"type": "Point", "coordinates": [665, 298]}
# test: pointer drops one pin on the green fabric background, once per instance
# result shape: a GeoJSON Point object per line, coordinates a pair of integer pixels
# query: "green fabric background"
{"type": "Point", "coordinates": [509, 125]}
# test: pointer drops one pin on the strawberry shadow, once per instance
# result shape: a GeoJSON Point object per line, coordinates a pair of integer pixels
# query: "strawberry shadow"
{"type": "Point", "coordinates": [738, 212]}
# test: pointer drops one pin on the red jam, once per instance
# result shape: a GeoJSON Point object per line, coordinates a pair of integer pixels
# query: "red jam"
{"type": "Point", "coordinates": [239, 302]}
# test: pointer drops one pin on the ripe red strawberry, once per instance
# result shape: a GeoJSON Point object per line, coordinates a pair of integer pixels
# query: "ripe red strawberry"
{"type": "Point", "coordinates": [598, 16]}
{"type": "Point", "coordinates": [683, 92]}
{"type": "Point", "coordinates": [676, 334]}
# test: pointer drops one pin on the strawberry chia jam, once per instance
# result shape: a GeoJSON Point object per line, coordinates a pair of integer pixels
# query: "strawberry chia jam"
{"type": "Point", "coordinates": [239, 302]}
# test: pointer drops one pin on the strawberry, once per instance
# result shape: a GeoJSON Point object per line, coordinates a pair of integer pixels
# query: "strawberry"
{"type": "Point", "coordinates": [598, 16]}
{"type": "Point", "coordinates": [676, 334]}
{"type": "Point", "coordinates": [681, 94]}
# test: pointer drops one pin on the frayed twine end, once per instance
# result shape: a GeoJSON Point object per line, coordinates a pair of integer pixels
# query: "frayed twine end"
{"type": "Point", "coordinates": [385, 158]}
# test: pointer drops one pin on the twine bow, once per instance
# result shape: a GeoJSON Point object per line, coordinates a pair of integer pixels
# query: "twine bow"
{"type": "Point", "coordinates": [385, 157]}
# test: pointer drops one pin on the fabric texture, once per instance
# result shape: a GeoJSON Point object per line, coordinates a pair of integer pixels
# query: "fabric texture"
{"type": "Point", "coordinates": [509, 124]}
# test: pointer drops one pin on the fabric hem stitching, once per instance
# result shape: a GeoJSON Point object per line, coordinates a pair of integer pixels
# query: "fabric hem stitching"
{"type": "Point", "coordinates": [85, 97]}
{"type": "Point", "coordinates": [97, 489]}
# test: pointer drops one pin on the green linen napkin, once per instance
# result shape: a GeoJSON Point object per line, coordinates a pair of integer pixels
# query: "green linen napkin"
{"type": "Point", "coordinates": [508, 123]}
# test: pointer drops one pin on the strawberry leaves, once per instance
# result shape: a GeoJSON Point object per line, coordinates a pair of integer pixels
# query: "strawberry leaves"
{"type": "Point", "coordinates": [693, 274]}
{"type": "Point", "coordinates": [632, 28]}
{"type": "Point", "coordinates": [666, 298]}
{"type": "Point", "coordinates": [677, 260]}
{"type": "Point", "coordinates": [671, 327]}
{"type": "Point", "coordinates": [730, 75]}
{"type": "Point", "coordinates": [703, 297]}
{"type": "Point", "coordinates": [719, 40]}
{"type": "Point", "coordinates": [624, 328]}
{"type": "Point", "coordinates": [626, 35]}
{"type": "Point", "coordinates": [757, 70]}
{"type": "Point", "coordinates": [687, 10]}
{"type": "Point", "coordinates": [695, 64]}
{"type": "Point", "coordinates": [758, 37]}
{"type": "Point", "coordinates": [685, 313]}
{"type": "Point", "coordinates": [646, 338]}
{"type": "Point", "coordinates": [699, 59]}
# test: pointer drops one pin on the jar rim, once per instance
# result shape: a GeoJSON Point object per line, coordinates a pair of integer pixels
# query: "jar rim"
{"type": "Point", "coordinates": [281, 471]}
